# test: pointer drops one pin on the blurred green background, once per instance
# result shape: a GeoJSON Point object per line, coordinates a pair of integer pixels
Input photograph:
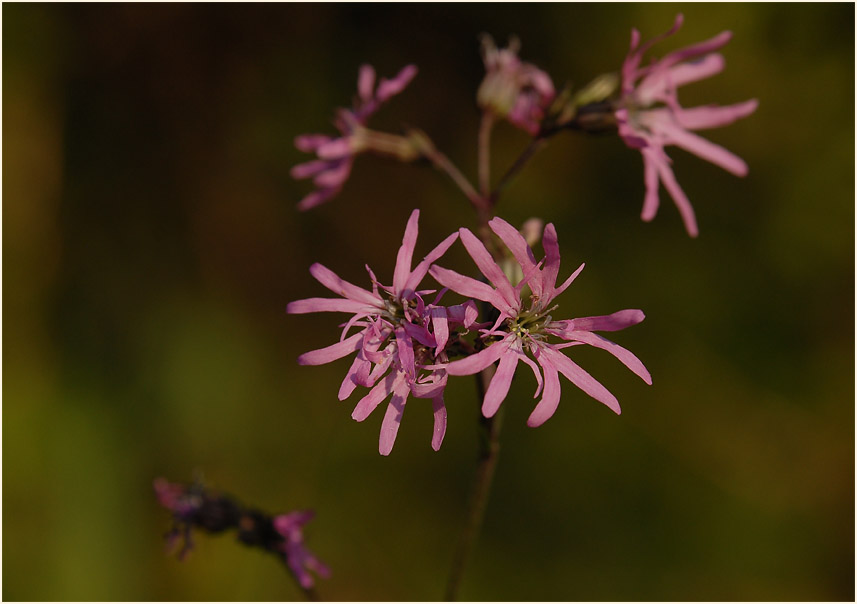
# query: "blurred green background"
{"type": "Point", "coordinates": [151, 244]}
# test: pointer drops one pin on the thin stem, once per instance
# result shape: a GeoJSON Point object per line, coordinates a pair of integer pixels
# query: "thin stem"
{"type": "Point", "coordinates": [488, 456]}
{"type": "Point", "coordinates": [441, 162]}
{"type": "Point", "coordinates": [485, 153]}
{"type": "Point", "coordinates": [535, 145]}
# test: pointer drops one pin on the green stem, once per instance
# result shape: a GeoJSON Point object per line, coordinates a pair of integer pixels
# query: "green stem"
{"type": "Point", "coordinates": [484, 150]}
{"type": "Point", "coordinates": [535, 145]}
{"type": "Point", "coordinates": [488, 455]}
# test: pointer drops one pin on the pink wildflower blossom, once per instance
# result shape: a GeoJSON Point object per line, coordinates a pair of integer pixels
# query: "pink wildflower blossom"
{"type": "Point", "coordinates": [398, 333]}
{"type": "Point", "coordinates": [298, 558]}
{"type": "Point", "coordinates": [336, 155]}
{"type": "Point", "coordinates": [518, 91]}
{"type": "Point", "coordinates": [525, 327]}
{"type": "Point", "coordinates": [650, 117]}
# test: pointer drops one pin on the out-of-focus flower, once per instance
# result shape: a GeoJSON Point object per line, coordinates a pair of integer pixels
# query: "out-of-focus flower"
{"type": "Point", "coordinates": [525, 327]}
{"type": "Point", "coordinates": [398, 333]}
{"type": "Point", "coordinates": [298, 558]}
{"type": "Point", "coordinates": [336, 154]}
{"type": "Point", "coordinates": [517, 91]}
{"type": "Point", "coordinates": [650, 118]}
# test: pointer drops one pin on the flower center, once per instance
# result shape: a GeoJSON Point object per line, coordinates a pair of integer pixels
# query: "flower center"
{"type": "Point", "coordinates": [530, 323]}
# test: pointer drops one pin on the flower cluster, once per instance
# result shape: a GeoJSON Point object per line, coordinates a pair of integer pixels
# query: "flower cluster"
{"type": "Point", "coordinates": [336, 155]}
{"type": "Point", "coordinates": [650, 117]}
{"type": "Point", "coordinates": [194, 506]}
{"type": "Point", "coordinates": [403, 344]}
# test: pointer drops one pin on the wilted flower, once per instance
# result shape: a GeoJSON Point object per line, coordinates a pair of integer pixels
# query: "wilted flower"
{"type": "Point", "coordinates": [650, 117]}
{"type": "Point", "coordinates": [336, 155]}
{"type": "Point", "coordinates": [525, 327]}
{"type": "Point", "coordinates": [398, 333]}
{"type": "Point", "coordinates": [298, 558]}
{"type": "Point", "coordinates": [518, 91]}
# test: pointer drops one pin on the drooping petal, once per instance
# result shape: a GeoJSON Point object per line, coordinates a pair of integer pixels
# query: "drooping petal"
{"type": "Point", "coordinates": [439, 432]}
{"type": "Point", "coordinates": [550, 272]}
{"type": "Point", "coordinates": [365, 82]}
{"type": "Point", "coordinates": [406, 252]}
{"type": "Point", "coordinates": [348, 383]}
{"type": "Point", "coordinates": [580, 378]}
{"type": "Point", "coordinates": [334, 283]}
{"type": "Point", "coordinates": [479, 361]}
{"type": "Point", "coordinates": [316, 198]}
{"type": "Point", "coordinates": [499, 386]}
{"type": "Point", "coordinates": [681, 201]}
{"type": "Point", "coordinates": [705, 149]}
{"type": "Point", "coordinates": [650, 177]}
{"type": "Point", "coordinates": [546, 407]}
{"type": "Point", "coordinates": [332, 352]}
{"type": "Point", "coordinates": [624, 355]}
{"type": "Point", "coordinates": [440, 324]}
{"type": "Point", "coordinates": [528, 361]}
{"type": "Point", "coordinates": [379, 392]}
{"type": "Point", "coordinates": [393, 417]}
{"type": "Point", "coordinates": [419, 273]}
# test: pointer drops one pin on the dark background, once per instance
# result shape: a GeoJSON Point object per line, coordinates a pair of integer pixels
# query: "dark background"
{"type": "Point", "coordinates": [151, 244]}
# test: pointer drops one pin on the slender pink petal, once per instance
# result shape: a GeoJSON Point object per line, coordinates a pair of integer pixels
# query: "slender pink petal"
{"type": "Point", "coordinates": [332, 352]}
{"type": "Point", "coordinates": [308, 143]}
{"type": "Point", "coordinates": [419, 273]}
{"type": "Point", "coordinates": [686, 73]}
{"type": "Point", "coordinates": [334, 177]}
{"type": "Point", "coordinates": [335, 149]}
{"type": "Point", "coordinates": [568, 281]}
{"type": "Point", "coordinates": [348, 384]}
{"type": "Point", "coordinates": [580, 378]}
{"type": "Point", "coordinates": [612, 322]}
{"type": "Point", "coordinates": [310, 168]}
{"type": "Point", "coordinates": [393, 418]}
{"type": "Point", "coordinates": [316, 198]}
{"type": "Point", "coordinates": [466, 286]}
{"type": "Point", "coordinates": [652, 199]}
{"type": "Point", "coordinates": [440, 324]}
{"type": "Point", "coordinates": [551, 266]}
{"type": "Point", "coordinates": [439, 432]}
{"type": "Point", "coordinates": [479, 361]}
{"type": "Point", "coordinates": [299, 307]}
{"type": "Point", "coordinates": [420, 334]}
{"type": "Point", "coordinates": [550, 399]}
{"type": "Point", "coordinates": [528, 361]}
{"type": "Point", "coordinates": [379, 392]}
{"type": "Point", "coordinates": [390, 88]}
{"type": "Point", "coordinates": [405, 349]}
{"type": "Point", "coordinates": [365, 82]}
{"type": "Point", "coordinates": [334, 283]}
{"type": "Point", "coordinates": [489, 268]}
{"type": "Point", "coordinates": [714, 116]}
{"type": "Point", "coordinates": [696, 50]}
{"type": "Point", "coordinates": [499, 386]}
{"type": "Point", "coordinates": [624, 355]}
{"type": "Point", "coordinates": [520, 250]}
{"type": "Point", "coordinates": [704, 149]}
{"type": "Point", "coordinates": [680, 199]}
{"type": "Point", "coordinates": [406, 253]}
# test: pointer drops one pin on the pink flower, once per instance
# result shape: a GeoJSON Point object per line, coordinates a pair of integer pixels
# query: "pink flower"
{"type": "Point", "coordinates": [398, 333]}
{"type": "Point", "coordinates": [650, 117]}
{"type": "Point", "coordinates": [525, 328]}
{"type": "Point", "coordinates": [336, 155]}
{"type": "Point", "coordinates": [298, 558]}
{"type": "Point", "coordinates": [518, 91]}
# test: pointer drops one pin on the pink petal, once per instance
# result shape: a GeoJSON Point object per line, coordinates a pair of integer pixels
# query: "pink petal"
{"type": "Point", "coordinates": [568, 281]}
{"type": "Point", "coordinates": [310, 168]}
{"type": "Point", "coordinates": [686, 73]}
{"type": "Point", "coordinates": [479, 361]}
{"type": "Point", "coordinates": [580, 378]}
{"type": "Point", "coordinates": [714, 116]}
{"type": "Point", "coordinates": [612, 322]}
{"type": "Point", "coordinates": [517, 244]}
{"type": "Point", "coordinates": [379, 392]}
{"type": "Point", "coordinates": [705, 149]}
{"type": "Point", "coordinates": [624, 355]}
{"type": "Point", "coordinates": [405, 348]}
{"type": "Point", "coordinates": [335, 149]}
{"type": "Point", "coordinates": [316, 198]}
{"type": "Point", "coordinates": [393, 418]}
{"type": "Point", "coordinates": [406, 252]}
{"type": "Point", "coordinates": [681, 201]}
{"type": "Point", "coordinates": [348, 384]}
{"type": "Point", "coordinates": [335, 176]}
{"type": "Point", "coordinates": [550, 399]}
{"type": "Point", "coordinates": [489, 268]}
{"type": "Point", "coordinates": [499, 387]}
{"type": "Point", "coordinates": [440, 324]}
{"type": "Point", "coordinates": [365, 82]}
{"type": "Point", "coordinates": [422, 268]}
{"type": "Point", "coordinates": [334, 283]}
{"type": "Point", "coordinates": [551, 266]}
{"type": "Point", "coordinates": [439, 422]}
{"type": "Point", "coordinates": [332, 352]}
{"type": "Point", "coordinates": [652, 200]}
{"type": "Point", "coordinates": [696, 50]}
{"type": "Point", "coordinates": [466, 286]}
{"type": "Point", "coordinates": [308, 143]}
{"type": "Point", "coordinates": [523, 357]}
{"type": "Point", "coordinates": [390, 88]}
{"type": "Point", "coordinates": [309, 305]}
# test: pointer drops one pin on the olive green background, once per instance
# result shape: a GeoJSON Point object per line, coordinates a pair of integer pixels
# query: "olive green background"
{"type": "Point", "coordinates": [151, 244]}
